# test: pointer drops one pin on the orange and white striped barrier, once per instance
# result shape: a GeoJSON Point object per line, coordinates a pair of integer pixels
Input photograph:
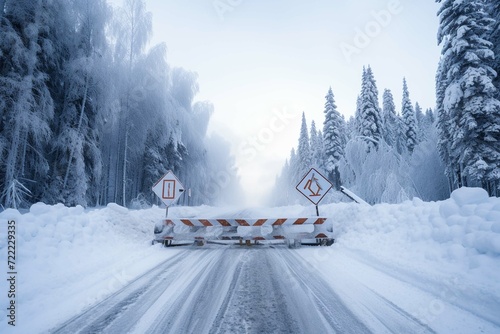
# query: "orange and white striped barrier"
{"type": "Point", "coordinates": [244, 229]}
{"type": "Point", "coordinates": [245, 222]}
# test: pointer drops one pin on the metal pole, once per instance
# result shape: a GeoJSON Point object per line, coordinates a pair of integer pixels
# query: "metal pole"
{"type": "Point", "coordinates": [317, 211]}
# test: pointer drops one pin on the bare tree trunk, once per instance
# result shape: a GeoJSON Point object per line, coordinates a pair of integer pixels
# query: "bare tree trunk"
{"type": "Point", "coordinates": [125, 156]}
{"type": "Point", "coordinates": [80, 120]}
{"type": "Point", "coordinates": [11, 163]}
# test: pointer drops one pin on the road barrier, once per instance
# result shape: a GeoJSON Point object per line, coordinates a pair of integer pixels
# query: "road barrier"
{"type": "Point", "coordinates": [313, 230]}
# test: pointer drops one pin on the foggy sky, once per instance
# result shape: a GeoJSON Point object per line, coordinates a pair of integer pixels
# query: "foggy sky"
{"type": "Point", "coordinates": [262, 63]}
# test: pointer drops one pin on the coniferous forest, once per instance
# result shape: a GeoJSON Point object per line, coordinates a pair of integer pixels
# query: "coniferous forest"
{"type": "Point", "coordinates": [90, 115]}
{"type": "Point", "coordinates": [388, 153]}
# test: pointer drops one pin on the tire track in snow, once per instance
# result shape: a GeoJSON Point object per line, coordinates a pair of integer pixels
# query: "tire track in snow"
{"type": "Point", "coordinates": [121, 311]}
{"type": "Point", "coordinates": [195, 308]}
{"type": "Point", "coordinates": [384, 315]}
{"type": "Point", "coordinates": [225, 304]}
{"type": "Point", "coordinates": [255, 301]}
{"type": "Point", "coordinates": [234, 289]}
{"type": "Point", "coordinates": [318, 307]}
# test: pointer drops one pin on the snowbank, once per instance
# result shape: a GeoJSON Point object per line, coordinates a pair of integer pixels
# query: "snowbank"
{"type": "Point", "coordinates": [70, 258]}
{"type": "Point", "coordinates": [464, 229]}
{"type": "Point", "coordinates": [450, 248]}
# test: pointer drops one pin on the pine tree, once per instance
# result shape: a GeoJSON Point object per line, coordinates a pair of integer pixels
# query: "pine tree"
{"type": "Point", "coordinates": [369, 118]}
{"type": "Point", "coordinates": [390, 118]}
{"type": "Point", "coordinates": [316, 144]}
{"type": "Point", "coordinates": [333, 138]}
{"type": "Point", "coordinates": [494, 38]}
{"type": "Point", "coordinates": [429, 117]}
{"type": "Point", "coordinates": [304, 149]}
{"type": "Point", "coordinates": [409, 120]}
{"type": "Point", "coordinates": [419, 124]}
{"type": "Point", "coordinates": [470, 108]}
{"type": "Point", "coordinates": [443, 126]}
{"type": "Point", "coordinates": [294, 167]}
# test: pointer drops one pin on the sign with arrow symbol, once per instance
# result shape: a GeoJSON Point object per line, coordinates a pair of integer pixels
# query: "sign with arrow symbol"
{"type": "Point", "coordinates": [314, 186]}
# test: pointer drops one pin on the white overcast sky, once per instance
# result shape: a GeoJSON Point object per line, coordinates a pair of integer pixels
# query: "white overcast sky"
{"type": "Point", "coordinates": [256, 58]}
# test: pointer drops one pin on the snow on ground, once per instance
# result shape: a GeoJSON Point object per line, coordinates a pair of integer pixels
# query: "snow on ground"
{"type": "Point", "coordinates": [71, 258]}
{"type": "Point", "coordinates": [449, 249]}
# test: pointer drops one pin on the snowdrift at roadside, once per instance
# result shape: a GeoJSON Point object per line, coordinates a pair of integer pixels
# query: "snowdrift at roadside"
{"type": "Point", "coordinates": [69, 258]}
{"type": "Point", "coordinates": [451, 249]}
{"type": "Point", "coordinates": [463, 231]}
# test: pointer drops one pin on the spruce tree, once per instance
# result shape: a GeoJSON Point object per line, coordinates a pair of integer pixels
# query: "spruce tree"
{"type": "Point", "coordinates": [470, 104]}
{"type": "Point", "coordinates": [390, 118]}
{"type": "Point", "coordinates": [369, 118]}
{"type": "Point", "coordinates": [294, 172]}
{"type": "Point", "coordinates": [316, 139]}
{"type": "Point", "coordinates": [333, 138]}
{"type": "Point", "coordinates": [429, 116]}
{"type": "Point", "coordinates": [443, 126]}
{"type": "Point", "coordinates": [304, 148]}
{"type": "Point", "coordinates": [409, 120]}
{"type": "Point", "coordinates": [420, 126]}
{"type": "Point", "coordinates": [494, 38]}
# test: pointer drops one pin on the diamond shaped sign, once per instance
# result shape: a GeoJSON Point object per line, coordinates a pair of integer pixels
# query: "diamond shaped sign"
{"type": "Point", "coordinates": [168, 188]}
{"type": "Point", "coordinates": [314, 186]}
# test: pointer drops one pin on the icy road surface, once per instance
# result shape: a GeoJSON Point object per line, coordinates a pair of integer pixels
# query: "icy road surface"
{"type": "Point", "coordinates": [259, 289]}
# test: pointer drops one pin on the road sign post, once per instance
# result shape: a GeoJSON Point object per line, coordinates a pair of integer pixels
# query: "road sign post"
{"type": "Point", "coordinates": [168, 189]}
{"type": "Point", "coordinates": [314, 187]}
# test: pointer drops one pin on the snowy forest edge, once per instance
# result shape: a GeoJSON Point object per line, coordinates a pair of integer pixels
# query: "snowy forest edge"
{"type": "Point", "coordinates": [389, 156]}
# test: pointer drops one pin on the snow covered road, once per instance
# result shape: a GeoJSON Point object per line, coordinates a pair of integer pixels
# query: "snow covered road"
{"type": "Point", "coordinates": [262, 289]}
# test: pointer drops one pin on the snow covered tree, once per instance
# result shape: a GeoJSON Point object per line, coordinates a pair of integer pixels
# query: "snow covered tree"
{"type": "Point", "coordinates": [350, 128]}
{"type": "Point", "coordinates": [369, 118]}
{"type": "Point", "coordinates": [409, 120]}
{"type": "Point", "coordinates": [73, 94]}
{"type": "Point", "coordinates": [304, 149]}
{"type": "Point", "coordinates": [470, 108]}
{"type": "Point", "coordinates": [76, 84]}
{"type": "Point", "coordinates": [419, 124]}
{"type": "Point", "coordinates": [443, 126]}
{"type": "Point", "coordinates": [390, 117]}
{"type": "Point", "coordinates": [334, 138]}
{"type": "Point", "coordinates": [133, 30]}
{"type": "Point", "coordinates": [426, 169]}
{"type": "Point", "coordinates": [316, 143]}
{"type": "Point", "coordinates": [375, 175]}
{"type": "Point", "coordinates": [26, 106]}
{"type": "Point", "coordinates": [494, 38]}
{"type": "Point", "coordinates": [429, 117]}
